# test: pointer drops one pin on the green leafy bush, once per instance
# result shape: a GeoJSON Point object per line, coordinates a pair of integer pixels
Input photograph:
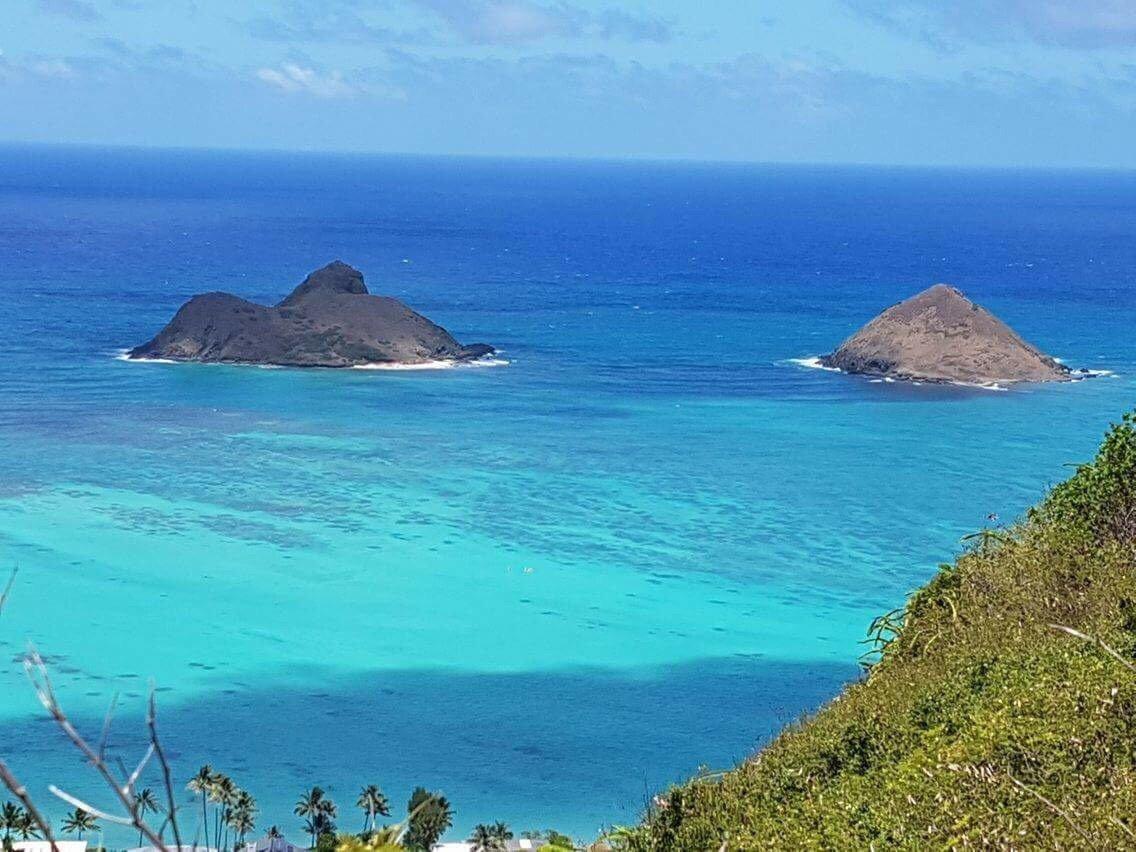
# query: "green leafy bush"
{"type": "Point", "coordinates": [998, 707]}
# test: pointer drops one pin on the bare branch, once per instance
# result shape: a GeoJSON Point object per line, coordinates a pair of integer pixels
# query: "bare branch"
{"type": "Point", "coordinates": [167, 777]}
{"type": "Point", "coordinates": [105, 736]}
{"type": "Point", "coordinates": [132, 780]}
{"type": "Point", "coordinates": [37, 673]}
{"type": "Point", "coordinates": [8, 589]}
{"type": "Point", "coordinates": [20, 792]}
{"type": "Point", "coordinates": [75, 801]}
{"type": "Point", "coordinates": [40, 679]}
{"type": "Point", "coordinates": [1123, 827]}
{"type": "Point", "coordinates": [1054, 808]}
{"type": "Point", "coordinates": [1092, 640]}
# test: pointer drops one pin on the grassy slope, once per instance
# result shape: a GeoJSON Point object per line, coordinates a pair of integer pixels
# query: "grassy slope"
{"type": "Point", "coordinates": [981, 724]}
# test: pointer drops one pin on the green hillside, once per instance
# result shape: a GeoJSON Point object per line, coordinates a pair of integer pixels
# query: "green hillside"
{"type": "Point", "coordinates": [1001, 710]}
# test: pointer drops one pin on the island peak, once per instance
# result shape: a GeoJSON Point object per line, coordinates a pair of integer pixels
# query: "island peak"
{"type": "Point", "coordinates": [336, 277]}
{"type": "Point", "coordinates": [939, 335]}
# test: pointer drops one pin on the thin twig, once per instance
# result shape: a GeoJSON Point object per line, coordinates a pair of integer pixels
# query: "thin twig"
{"type": "Point", "coordinates": [1125, 828]}
{"type": "Point", "coordinates": [133, 779]}
{"type": "Point", "coordinates": [167, 777]}
{"type": "Point", "coordinates": [37, 673]}
{"type": "Point", "coordinates": [1092, 640]}
{"type": "Point", "coordinates": [20, 792]}
{"type": "Point", "coordinates": [75, 801]}
{"type": "Point", "coordinates": [1088, 838]}
{"type": "Point", "coordinates": [104, 738]}
{"type": "Point", "coordinates": [8, 589]}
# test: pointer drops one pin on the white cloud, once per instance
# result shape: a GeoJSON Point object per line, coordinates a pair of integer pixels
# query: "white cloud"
{"type": "Point", "coordinates": [58, 68]}
{"type": "Point", "coordinates": [1064, 23]}
{"type": "Point", "coordinates": [523, 21]}
{"type": "Point", "coordinates": [296, 78]}
{"type": "Point", "coordinates": [77, 10]}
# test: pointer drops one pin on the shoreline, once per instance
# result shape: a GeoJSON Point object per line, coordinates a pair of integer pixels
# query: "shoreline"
{"type": "Point", "coordinates": [815, 362]}
{"type": "Point", "coordinates": [393, 367]}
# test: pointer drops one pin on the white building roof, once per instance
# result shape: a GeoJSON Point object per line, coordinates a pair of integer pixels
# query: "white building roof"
{"type": "Point", "coordinates": [45, 846]}
{"type": "Point", "coordinates": [522, 844]}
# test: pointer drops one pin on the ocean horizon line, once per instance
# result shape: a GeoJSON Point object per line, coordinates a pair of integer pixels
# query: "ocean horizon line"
{"type": "Point", "coordinates": [581, 159]}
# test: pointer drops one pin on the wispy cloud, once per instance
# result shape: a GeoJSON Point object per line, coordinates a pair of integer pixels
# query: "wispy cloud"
{"type": "Point", "coordinates": [1084, 24]}
{"type": "Point", "coordinates": [507, 21]}
{"type": "Point", "coordinates": [113, 60]}
{"type": "Point", "coordinates": [58, 68]}
{"type": "Point", "coordinates": [151, 57]}
{"type": "Point", "coordinates": [290, 77]}
{"type": "Point", "coordinates": [487, 22]}
{"type": "Point", "coordinates": [48, 68]}
{"type": "Point", "coordinates": [78, 10]}
{"type": "Point", "coordinates": [615, 23]}
{"type": "Point", "coordinates": [301, 22]}
{"type": "Point", "coordinates": [521, 21]}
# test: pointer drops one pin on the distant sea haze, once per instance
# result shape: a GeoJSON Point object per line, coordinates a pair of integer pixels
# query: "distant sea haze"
{"type": "Point", "coordinates": [644, 546]}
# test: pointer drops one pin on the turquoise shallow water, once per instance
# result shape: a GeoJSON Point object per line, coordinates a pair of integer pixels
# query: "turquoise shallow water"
{"type": "Point", "coordinates": [549, 588]}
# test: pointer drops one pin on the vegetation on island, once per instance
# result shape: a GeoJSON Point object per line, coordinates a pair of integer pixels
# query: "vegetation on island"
{"type": "Point", "coordinates": [997, 709]}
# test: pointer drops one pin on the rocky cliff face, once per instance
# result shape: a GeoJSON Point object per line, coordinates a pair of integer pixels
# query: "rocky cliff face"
{"type": "Point", "coordinates": [330, 320]}
{"type": "Point", "coordinates": [940, 335]}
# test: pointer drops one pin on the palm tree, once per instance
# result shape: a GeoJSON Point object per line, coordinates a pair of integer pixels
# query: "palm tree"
{"type": "Point", "coordinates": [491, 838]}
{"type": "Point", "coordinates": [231, 795]}
{"type": "Point", "coordinates": [26, 828]}
{"type": "Point", "coordinates": [502, 833]}
{"type": "Point", "coordinates": [200, 784]}
{"type": "Point", "coordinates": [79, 821]}
{"type": "Point", "coordinates": [144, 803]}
{"type": "Point", "coordinates": [274, 832]}
{"type": "Point", "coordinates": [242, 816]}
{"type": "Point", "coordinates": [223, 793]}
{"type": "Point", "coordinates": [373, 803]}
{"type": "Point", "coordinates": [319, 812]}
{"type": "Point", "coordinates": [10, 816]}
{"type": "Point", "coordinates": [431, 817]}
{"type": "Point", "coordinates": [482, 839]}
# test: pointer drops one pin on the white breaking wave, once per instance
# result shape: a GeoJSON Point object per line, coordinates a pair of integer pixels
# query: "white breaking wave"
{"type": "Point", "coordinates": [124, 355]}
{"type": "Point", "coordinates": [813, 362]}
{"type": "Point", "coordinates": [488, 361]}
{"type": "Point", "coordinates": [990, 386]}
{"type": "Point", "coordinates": [436, 365]}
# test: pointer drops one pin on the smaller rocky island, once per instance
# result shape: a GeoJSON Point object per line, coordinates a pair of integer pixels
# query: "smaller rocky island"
{"type": "Point", "coordinates": [941, 336]}
{"type": "Point", "coordinates": [330, 320]}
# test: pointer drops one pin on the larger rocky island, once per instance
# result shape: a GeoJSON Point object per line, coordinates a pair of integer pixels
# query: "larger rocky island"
{"type": "Point", "coordinates": [940, 335]}
{"type": "Point", "coordinates": [330, 320]}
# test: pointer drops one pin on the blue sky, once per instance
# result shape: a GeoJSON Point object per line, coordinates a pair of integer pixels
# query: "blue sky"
{"type": "Point", "coordinates": [969, 82]}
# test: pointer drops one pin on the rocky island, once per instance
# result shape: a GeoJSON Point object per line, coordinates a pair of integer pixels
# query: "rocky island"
{"type": "Point", "coordinates": [330, 320]}
{"type": "Point", "coordinates": [940, 335]}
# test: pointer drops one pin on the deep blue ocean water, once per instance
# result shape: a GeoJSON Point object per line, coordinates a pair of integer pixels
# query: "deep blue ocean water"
{"type": "Point", "coordinates": [545, 589]}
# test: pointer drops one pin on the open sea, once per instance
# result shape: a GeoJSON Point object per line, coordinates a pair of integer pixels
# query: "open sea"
{"type": "Point", "coordinates": [546, 589]}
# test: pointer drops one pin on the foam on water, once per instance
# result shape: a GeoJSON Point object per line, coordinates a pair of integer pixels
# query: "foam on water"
{"type": "Point", "coordinates": [484, 361]}
{"type": "Point", "coordinates": [813, 362]}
